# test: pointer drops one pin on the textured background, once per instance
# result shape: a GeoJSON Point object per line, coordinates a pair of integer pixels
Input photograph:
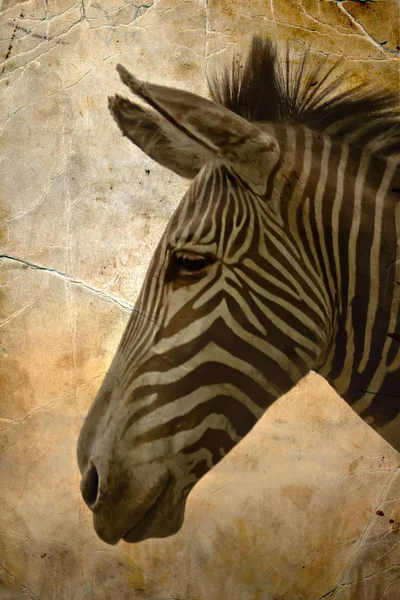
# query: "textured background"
{"type": "Point", "coordinates": [290, 514]}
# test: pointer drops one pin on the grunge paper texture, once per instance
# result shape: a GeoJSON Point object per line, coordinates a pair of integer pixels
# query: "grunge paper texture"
{"type": "Point", "coordinates": [308, 505]}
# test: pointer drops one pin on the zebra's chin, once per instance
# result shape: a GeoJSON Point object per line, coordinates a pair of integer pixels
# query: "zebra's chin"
{"type": "Point", "coordinates": [159, 515]}
{"type": "Point", "coordinates": [152, 526]}
{"type": "Point", "coordinates": [163, 519]}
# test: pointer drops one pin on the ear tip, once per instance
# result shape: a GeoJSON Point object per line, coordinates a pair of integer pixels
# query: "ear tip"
{"type": "Point", "coordinates": [122, 72]}
{"type": "Point", "coordinates": [112, 103]}
{"type": "Point", "coordinates": [127, 77]}
{"type": "Point", "coordinates": [116, 106]}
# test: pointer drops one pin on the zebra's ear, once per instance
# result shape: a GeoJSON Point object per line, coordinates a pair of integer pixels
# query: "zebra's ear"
{"type": "Point", "coordinates": [158, 138]}
{"type": "Point", "coordinates": [211, 132]}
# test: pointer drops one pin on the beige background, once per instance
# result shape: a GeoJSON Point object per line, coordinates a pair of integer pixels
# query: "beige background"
{"type": "Point", "coordinates": [290, 514]}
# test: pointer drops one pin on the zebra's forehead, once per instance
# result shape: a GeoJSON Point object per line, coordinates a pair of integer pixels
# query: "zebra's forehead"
{"type": "Point", "coordinates": [214, 199]}
{"type": "Point", "coordinates": [217, 196]}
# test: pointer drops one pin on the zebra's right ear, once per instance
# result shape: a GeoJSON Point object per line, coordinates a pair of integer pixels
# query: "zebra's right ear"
{"type": "Point", "coordinates": [158, 138]}
{"type": "Point", "coordinates": [189, 131]}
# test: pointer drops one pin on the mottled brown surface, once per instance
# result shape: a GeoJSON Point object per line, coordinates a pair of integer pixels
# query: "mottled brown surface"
{"type": "Point", "coordinates": [292, 512]}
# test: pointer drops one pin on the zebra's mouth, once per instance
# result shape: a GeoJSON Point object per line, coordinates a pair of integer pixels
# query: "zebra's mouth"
{"type": "Point", "coordinates": [138, 530]}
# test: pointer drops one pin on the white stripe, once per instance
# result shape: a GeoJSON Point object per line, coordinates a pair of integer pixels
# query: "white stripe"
{"type": "Point", "coordinates": [375, 284]}
{"type": "Point", "coordinates": [343, 381]}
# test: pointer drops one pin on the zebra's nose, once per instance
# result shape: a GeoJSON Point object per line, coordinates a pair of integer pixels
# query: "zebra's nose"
{"type": "Point", "coordinates": [90, 486]}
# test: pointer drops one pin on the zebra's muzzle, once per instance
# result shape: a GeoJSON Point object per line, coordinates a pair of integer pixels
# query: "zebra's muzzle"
{"type": "Point", "coordinates": [137, 532]}
{"type": "Point", "coordinates": [126, 498]}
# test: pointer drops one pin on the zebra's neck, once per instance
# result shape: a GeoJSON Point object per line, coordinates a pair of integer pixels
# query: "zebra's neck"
{"type": "Point", "coordinates": [343, 214]}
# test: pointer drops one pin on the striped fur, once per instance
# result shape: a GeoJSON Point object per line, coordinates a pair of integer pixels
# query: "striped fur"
{"type": "Point", "coordinates": [304, 276]}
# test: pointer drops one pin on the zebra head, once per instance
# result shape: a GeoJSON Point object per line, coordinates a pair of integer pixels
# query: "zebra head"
{"type": "Point", "coordinates": [234, 309]}
{"type": "Point", "coordinates": [219, 331]}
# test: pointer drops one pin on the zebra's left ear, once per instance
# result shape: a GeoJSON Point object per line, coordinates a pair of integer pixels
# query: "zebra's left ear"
{"type": "Point", "coordinates": [224, 135]}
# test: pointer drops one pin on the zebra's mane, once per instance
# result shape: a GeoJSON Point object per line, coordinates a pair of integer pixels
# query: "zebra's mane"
{"type": "Point", "coordinates": [268, 89]}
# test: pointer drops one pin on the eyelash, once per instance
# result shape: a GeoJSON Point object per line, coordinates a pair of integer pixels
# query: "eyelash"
{"type": "Point", "coordinates": [191, 264]}
{"type": "Point", "coordinates": [188, 265]}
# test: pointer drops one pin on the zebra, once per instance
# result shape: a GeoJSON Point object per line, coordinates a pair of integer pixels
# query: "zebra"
{"type": "Point", "coordinates": [282, 257]}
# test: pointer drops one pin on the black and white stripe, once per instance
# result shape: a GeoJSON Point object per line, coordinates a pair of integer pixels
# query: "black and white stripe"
{"type": "Point", "coordinates": [283, 256]}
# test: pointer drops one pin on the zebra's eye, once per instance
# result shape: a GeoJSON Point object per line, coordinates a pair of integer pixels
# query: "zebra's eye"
{"type": "Point", "coordinates": [191, 263]}
{"type": "Point", "coordinates": [188, 265]}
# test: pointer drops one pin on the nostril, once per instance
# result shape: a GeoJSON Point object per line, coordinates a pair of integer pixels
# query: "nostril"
{"type": "Point", "coordinates": [90, 486]}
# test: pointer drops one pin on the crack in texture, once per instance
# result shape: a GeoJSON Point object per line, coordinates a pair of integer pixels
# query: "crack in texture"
{"type": "Point", "coordinates": [50, 42]}
{"type": "Point", "coordinates": [206, 33]}
{"type": "Point", "coordinates": [131, 562]}
{"type": "Point", "coordinates": [360, 545]}
{"type": "Point", "coordinates": [34, 412]}
{"type": "Point", "coordinates": [70, 392]}
{"type": "Point", "coordinates": [122, 303]}
{"type": "Point", "coordinates": [21, 310]}
{"type": "Point", "coordinates": [108, 28]}
{"type": "Point", "coordinates": [39, 200]}
{"type": "Point", "coordinates": [32, 595]}
{"type": "Point", "coordinates": [362, 29]}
